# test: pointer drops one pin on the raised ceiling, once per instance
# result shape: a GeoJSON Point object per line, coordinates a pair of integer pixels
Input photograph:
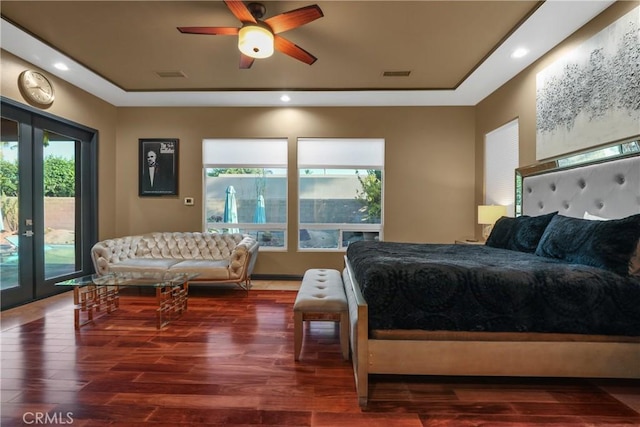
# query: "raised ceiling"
{"type": "Point", "coordinates": [132, 44]}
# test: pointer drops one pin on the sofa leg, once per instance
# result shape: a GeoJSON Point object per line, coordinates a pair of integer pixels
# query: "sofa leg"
{"type": "Point", "coordinates": [247, 284]}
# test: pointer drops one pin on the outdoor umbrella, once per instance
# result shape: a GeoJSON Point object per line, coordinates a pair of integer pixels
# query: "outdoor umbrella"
{"type": "Point", "coordinates": [231, 209]}
{"type": "Point", "coordinates": [259, 216]}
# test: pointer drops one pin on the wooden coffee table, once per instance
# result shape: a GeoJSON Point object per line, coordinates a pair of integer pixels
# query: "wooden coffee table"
{"type": "Point", "coordinates": [94, 293]}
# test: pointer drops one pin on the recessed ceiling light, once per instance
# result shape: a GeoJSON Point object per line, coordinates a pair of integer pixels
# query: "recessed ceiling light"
{"type": "Point", "coordinates": [519, 52]}
{"type": "Point", "coordinates": [61, 66]}
{"type": "Point", "coordinates": [285, 98]}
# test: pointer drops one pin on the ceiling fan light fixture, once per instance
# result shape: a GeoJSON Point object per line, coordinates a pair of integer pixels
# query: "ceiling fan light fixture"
{"type": "Point", "coordinates": [255, 41]}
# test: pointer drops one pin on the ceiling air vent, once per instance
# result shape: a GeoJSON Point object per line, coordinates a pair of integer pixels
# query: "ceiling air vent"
{"type": "Point", "coordinates": [171, 74]}
{"type": "Point", "coordinates": [396, 73]}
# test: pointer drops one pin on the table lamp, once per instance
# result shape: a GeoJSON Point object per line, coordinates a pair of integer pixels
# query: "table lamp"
{"type": "Point", "coordinates": [488, 215]}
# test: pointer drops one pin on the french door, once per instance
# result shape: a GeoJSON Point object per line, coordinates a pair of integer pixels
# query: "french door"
{"type": "Point", "coordinates": [48, 202]}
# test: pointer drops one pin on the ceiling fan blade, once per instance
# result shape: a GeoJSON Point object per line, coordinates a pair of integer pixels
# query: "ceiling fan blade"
{"type": "Point", "coordinates": [294, 18]}
{"type": "Point", "coordinates": [213, 31]}
{"type": "Point", "coordinates": [240, 11]}
{"type": "Point", "coordinates": [246, 61]}
{"type": "Point", "coordinates": [293, 50]}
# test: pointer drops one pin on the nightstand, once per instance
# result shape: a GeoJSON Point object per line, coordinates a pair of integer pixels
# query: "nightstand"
{"type": "Point", "coordinates": [469, 242]}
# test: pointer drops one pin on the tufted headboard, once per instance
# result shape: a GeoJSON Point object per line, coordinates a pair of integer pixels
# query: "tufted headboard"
{"type": "Point", "coordinates": [609, 190]}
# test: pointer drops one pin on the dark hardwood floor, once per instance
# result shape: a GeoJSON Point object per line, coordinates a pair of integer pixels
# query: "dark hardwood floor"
{"type": "Point", "coordinates": [228, 361]}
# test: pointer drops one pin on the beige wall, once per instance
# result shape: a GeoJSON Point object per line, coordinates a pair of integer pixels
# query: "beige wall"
{"type": "Point", "coordinates": [80, 107]}
{"type": "Point", "coordinates": [517, 98]}
{"type": "Point", "coordinates": [429, 172]}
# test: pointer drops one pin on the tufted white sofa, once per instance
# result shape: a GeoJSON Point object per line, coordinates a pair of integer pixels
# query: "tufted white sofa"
{"type": "Point", "coordinates": [216, 257]}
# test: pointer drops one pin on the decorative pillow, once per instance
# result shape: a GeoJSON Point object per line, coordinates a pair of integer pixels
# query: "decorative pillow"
{"type": "Point", "coordinates": [611, 245]}
{"type": "Point", "coordinates": [634, 263]}
{"type": "Point", "coordinates": [500, 232]}
{"type": "Point", "coordinates": [519, 234]}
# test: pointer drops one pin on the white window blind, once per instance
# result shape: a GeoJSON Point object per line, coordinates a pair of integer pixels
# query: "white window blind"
{"type": "Point", "coordinates": [362, 153]}
{"type": "Point", "coordinates": [501, 160]}
{"type": "Point", "coordinates": [228, 153]}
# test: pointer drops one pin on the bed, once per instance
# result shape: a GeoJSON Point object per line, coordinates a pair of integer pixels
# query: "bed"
{"type": "Point", "coordinates": [554, 293]}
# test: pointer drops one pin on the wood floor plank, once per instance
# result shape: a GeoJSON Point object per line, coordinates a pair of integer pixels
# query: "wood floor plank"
{"type": "Point", "coordinates": [228, 361]}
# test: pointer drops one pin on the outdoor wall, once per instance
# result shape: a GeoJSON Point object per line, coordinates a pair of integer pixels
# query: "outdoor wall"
{"type": "Point", "coordinates": [78, 106]}
{"type": "Point", "coordinates": [517, 98]}
{"type": "Point", "coordinates": [429, 171]}
{"type": "Point", "coordinates": [57, 213]}
{"type": "Point", "coordinates": [343, 190]}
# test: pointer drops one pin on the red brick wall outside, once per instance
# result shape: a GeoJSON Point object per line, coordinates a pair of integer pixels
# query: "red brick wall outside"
{"type": "Point", "coordinates": [59, 213]}
{"type": "Point", "coordinates": [59, 222]}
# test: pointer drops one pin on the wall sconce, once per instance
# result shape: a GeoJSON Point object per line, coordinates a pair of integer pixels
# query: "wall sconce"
{"type": "Point", "coordinates": [255, 41]}
{"type": "Point", "coordinates": [488, 215]}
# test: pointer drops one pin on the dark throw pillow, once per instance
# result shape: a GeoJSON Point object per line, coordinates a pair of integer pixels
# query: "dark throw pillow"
{"type": "Point", "coordinates": [500, 233]}
{"type": "Point", "coordinates": [519, 234]}
{"type": "Point", "coordinates": [604, 244]}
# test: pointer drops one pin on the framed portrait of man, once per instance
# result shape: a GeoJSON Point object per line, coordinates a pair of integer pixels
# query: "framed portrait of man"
{"type": "Point", "coordinates": [158, 173]}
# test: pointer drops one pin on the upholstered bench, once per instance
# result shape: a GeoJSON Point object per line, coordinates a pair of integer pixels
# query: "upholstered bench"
{"type": "Point", "coordinates": [321, 297]}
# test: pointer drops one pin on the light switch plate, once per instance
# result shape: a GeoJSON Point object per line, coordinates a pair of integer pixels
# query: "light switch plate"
{"type": "Point", "coordinates": [188, 201]}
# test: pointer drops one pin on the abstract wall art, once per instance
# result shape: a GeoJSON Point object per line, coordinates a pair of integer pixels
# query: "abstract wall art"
{"type": "Point", "coordinates": [591, 96]}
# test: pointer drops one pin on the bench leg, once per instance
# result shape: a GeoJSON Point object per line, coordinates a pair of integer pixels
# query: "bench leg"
{"type": "Point", "coordinates": [344, 334]}
{"type": "Point", "coordinates": [297, 334]}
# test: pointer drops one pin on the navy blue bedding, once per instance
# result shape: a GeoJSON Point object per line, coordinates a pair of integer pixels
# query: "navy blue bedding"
{"type": "Point", "coordinates": [481, 288]}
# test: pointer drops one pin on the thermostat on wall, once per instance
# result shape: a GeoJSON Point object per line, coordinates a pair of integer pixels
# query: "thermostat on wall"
{"type": "Point", "coordinates": [188, 201]}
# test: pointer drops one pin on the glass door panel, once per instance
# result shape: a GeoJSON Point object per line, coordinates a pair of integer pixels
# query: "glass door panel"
{"type": "Point", "coordinates": [59, 165]}
{"type": "Point", "coordinates": [9, 206]}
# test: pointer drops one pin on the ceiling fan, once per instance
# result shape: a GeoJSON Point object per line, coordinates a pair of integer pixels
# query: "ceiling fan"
{"type": "Point", "coordinates": [258, 38]}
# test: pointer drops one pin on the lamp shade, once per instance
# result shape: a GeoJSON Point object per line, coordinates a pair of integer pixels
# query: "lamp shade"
{"type": "Point", "coordinates": [489, 214]}
{"type": "Point", "coordinates": [255, 41]}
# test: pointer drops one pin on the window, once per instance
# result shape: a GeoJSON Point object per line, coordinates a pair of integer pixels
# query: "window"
{"type": "Point", "coordinates": [340, 192]}
{"type": "Point", "coordinates": [600, 154]}
{"type": "Point", "coordinates": [245, 188]}
{"type": "Point", "coordinates": [500, 163]}
{"type": "Point", "coordinates": [621, 149]}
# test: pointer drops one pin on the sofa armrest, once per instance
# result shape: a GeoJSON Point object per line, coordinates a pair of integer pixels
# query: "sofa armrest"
{"type": "Point", "coordinates": [253, 251]}
{"type": "Point", "coordinates": [243, 258]}
{"type": "Point", "coordinates": [111, 251]}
